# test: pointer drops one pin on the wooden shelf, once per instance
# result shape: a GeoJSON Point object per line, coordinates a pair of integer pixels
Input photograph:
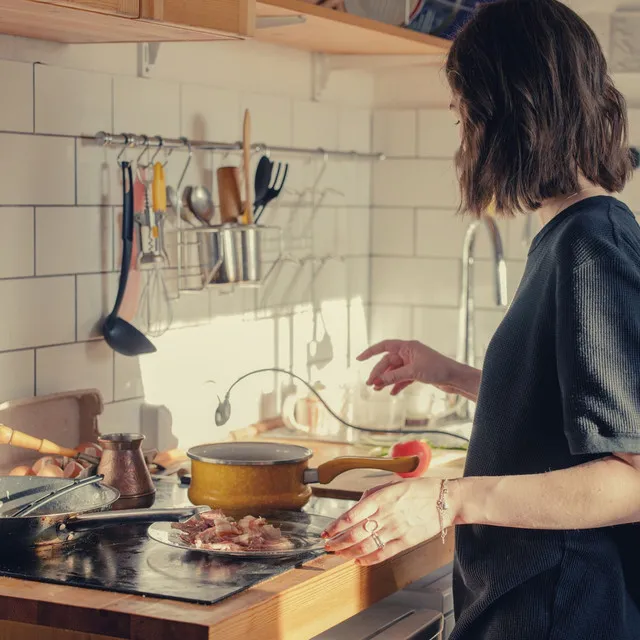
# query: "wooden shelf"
{"type": "Point", "coordinates": [336, 32]}
{"type": "Point", "coordinates": [92, 21]}
{"type": "Point", "coordinates": [322, 30]}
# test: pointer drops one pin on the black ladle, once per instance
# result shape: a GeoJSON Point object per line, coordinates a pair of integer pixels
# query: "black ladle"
{"type": "Point", "coordinates": [120, 335]}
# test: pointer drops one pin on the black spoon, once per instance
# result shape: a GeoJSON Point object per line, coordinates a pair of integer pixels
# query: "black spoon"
{"type": "Point", "coordinates": [119, 334]}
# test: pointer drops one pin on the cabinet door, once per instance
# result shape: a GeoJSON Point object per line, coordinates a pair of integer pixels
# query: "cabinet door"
{"type": "Point", "coordinates": [129, 8]}
{"type": "Point", "coordinates": [236, 17]}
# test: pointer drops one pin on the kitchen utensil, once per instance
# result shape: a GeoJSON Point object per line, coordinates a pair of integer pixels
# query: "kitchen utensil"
{"type": "Point", "coordinates": [131, 298]}
{"type": "Point", "coordinates": [200, 203]}
{"type": "Point", "coordinates": [147, 220]}
{"type": "Point", "coordinates": [232, 253]}
{"type": "Point", "coordinates": [156, 310]}
{"type": "Point", "coordinates": [273, 191]}
{"type": "Point", "coordinates": [69, 517]}
{"type": "Point", "coordinates": [262, 180]}
{"type": "Point", "coordinates": [247, 214]}
{"type": "Point", "coordinates": [302, 529]}
{"type": "Point", "coordinates": [180, 206]}
{"type": "Point", "coordinates": [25, 441]}
{"type": "Point", "coordinates": [254, 477]}
{"type": "Point", "coordinates": [229, 194]}
{"type": "Point", "coordinates": [160, 209]}
{"type": "Point", "coordinates": [124, 468]}
{"type": "Point", "coordinates": [251, 254]}
{"type": "Point", "coordinates": [221, 254]}
{"type": "Point", "coordinates": [55, 495]}
{"type": "Point", "coordinates": [119, 334]}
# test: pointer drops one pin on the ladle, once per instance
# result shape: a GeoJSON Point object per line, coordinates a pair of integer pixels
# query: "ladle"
{"type": "Point", "coordinates": [119, 334]}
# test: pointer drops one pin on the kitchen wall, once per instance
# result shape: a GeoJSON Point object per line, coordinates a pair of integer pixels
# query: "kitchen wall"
{"type": "Point", "coordinates": [387, 234]}
{"type": "Point", "coordinates": [60, 215]}
{"type": "Point", "coordinates": [417, 235]}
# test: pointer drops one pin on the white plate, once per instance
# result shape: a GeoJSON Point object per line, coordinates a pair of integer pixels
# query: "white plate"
{"type": "Point", "coordinates": [303, 529]}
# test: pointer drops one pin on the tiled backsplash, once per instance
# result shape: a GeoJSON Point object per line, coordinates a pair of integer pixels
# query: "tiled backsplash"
{"type": "Point", "coordinates": [417, 236]}
{"type": "Point", "coordinates": [390, 228]}
{"type": "Point", "coordinates": [60, 218]}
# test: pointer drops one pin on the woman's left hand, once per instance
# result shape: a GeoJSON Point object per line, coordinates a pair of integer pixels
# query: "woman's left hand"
{"type": "Point", "coordinates": [389, 519]}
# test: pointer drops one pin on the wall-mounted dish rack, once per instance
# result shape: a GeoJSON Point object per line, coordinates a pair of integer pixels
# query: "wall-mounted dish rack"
{"type": "Point", "coordinates": [230, 254]}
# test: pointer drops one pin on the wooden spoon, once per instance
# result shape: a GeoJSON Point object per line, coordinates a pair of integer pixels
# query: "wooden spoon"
{"type": "Point", "coordinates": [24, 441]}
{"type": "Point", "coordinates": [247, 215]}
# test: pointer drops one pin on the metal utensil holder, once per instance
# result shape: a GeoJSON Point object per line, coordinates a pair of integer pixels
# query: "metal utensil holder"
{"type": "Point", "coordinates": [228, 254]}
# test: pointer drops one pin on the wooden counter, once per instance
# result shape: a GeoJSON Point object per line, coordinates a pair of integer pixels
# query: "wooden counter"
{"type": "Point", "coordinates": [295, 605]}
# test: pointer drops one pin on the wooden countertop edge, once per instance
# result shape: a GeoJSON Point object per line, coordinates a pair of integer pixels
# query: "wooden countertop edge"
{"type": "Point", "coordinates": [285, 606]}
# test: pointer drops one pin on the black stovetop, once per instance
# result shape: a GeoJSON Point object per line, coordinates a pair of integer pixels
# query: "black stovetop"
{"type": "Point", "coordinates": [126, 560]}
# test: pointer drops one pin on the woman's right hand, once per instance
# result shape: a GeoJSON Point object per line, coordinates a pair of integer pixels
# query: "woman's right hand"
{"type": "Point", "coordinates": [407, 361]}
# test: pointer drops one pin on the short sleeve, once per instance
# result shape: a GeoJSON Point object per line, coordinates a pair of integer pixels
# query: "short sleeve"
{"type": "Point", "coordinates": [598, 355]}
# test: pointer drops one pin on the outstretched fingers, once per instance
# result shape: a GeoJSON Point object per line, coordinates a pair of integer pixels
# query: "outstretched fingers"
{"type": "Point", "coordinates": [380, 347]}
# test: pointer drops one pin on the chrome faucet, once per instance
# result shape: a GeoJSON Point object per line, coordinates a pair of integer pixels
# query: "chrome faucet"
{"type": "Point", "coordinates": [466, 320]}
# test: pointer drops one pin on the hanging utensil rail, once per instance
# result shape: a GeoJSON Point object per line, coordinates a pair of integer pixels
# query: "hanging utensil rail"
{"type": "Point", "coordinates": [131, 140]}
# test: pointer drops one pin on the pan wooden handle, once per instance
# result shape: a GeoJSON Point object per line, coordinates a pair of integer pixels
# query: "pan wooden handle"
{"type": "Point", "coordinates": [330, 470]}
{"type": "Point", "coordinates": [24, 441]}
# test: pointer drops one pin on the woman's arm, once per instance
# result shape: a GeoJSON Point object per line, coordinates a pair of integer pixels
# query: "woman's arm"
{"type": "Point", "coordinates": [595, 494]}
{"type": "Point", "coordinates": [407, 361]}
{"type": "Point", "coordinates": [465, 381]}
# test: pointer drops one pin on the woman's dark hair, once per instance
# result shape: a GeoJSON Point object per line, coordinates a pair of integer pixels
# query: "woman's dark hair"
{"type": "Point", "coordinates": [537, 107]}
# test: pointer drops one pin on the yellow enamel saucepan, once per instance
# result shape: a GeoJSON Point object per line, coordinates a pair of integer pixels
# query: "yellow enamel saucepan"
{"type": "Point", "coordinates": [257, 477]}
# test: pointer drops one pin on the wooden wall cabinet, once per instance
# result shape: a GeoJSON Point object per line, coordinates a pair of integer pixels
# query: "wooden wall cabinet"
{"type": "Point", "coordinates": [86, 21]}
{"type": "Point", "coordinates": [289, 23]}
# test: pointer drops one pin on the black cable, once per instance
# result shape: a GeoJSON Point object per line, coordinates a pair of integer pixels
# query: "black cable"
{"type": "Point", "coordinates": [335, 415]}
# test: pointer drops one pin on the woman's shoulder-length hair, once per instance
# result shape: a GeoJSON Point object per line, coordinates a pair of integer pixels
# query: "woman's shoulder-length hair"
{"type": "Point", "coordinates": [537, 107]}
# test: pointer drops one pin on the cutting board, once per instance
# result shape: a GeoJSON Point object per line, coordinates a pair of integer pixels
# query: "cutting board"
{"type": "Point", "coordinates": [68, 419]}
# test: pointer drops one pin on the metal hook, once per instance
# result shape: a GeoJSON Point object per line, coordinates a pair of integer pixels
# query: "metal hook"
{"type": "Point", "coordinates": [263, 149]}
{"type": "Point", "coordinates": [145, 144]}
{"type": "Point", "coordinates": [158, 150]}
{"type": "Point", "coordinates": [186, 142]}
{"type": "Point", "coordinates": [125, 146]}
{"type": "Point", "coordinates": [167, 155]}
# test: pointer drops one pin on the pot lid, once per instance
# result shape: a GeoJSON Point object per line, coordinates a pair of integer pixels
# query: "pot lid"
{"type": "Point", "coordinates": [249, 453]}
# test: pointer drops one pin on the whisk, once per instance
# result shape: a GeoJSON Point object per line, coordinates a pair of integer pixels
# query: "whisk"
{"type": "Point", "coordinates": [155, 310]}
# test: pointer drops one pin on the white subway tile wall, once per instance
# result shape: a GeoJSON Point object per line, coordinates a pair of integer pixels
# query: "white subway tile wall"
{"type": "Point", "coordinates": [60, 214]}
{"type": "Point", "coordinates": [417, 232]}
{"type": "Point", "coordinates": [378, 245]}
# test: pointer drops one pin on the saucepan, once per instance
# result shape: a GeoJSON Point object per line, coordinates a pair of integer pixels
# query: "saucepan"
{"type": "Point", "coordinates": [258, 477]}
{"type": "Point", "coordinates": [71, 515]}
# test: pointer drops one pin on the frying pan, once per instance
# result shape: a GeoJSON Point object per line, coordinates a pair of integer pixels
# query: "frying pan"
{"type": "Point", "coordinates": [72, 515]}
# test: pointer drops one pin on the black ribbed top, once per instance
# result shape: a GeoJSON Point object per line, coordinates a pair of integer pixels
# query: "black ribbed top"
{"type": "Point", "coordinates": [560, 386]}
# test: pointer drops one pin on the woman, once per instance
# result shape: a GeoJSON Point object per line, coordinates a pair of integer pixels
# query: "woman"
{"type": "Point", "coordinates": [546, 547]}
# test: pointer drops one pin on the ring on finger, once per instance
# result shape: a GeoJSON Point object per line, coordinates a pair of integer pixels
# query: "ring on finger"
{"type": "Point", "coordinates": [376, 538]}
{"type": "Point", "coordinates": [370, 526]}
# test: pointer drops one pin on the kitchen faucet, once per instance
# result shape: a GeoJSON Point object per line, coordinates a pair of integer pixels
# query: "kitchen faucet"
{"type": "Point", "coordinates": [466, 318]}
